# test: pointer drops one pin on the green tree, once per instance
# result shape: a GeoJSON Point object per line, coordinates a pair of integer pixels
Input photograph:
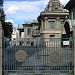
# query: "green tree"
{"type": "Point", "coordinates": [7, 26]}
{"type": "Point", "coordinates": [2, 15]}
{"type": "Point", "coordinates": [8, 29]}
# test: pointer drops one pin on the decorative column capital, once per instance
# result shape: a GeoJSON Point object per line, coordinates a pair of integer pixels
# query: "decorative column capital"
{"type": "Point", "coordinates": [58, 18]}
{"type": "Point", "coordinates": [46, 18]}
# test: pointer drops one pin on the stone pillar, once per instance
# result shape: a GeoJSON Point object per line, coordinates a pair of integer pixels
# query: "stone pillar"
{"type": "Point", "coordinates": [74, 48]}
{"type": "Point", "coordinates": [42, 25]}
{"type": "Point", "coordinates": [58, 23]}
{"type": "Point", "coordinates": [0, 49]}
{"type": "Point", "coordinates": [46, 22]}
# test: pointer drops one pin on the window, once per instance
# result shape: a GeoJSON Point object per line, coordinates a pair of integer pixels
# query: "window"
{"type": "Point", "coordinates": [51, 24]}
{"type": "Point", "coordinates": [29, 31]}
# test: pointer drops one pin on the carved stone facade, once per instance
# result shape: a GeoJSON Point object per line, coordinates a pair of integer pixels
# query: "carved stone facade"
{"type": "Point", "coordinates": [54, 5]}
{"type": "Point", "coordinates": [52, 20]}
{"type": "Point", "coordinates": [49, 59]}
{"type": "Point", "coordinates": [29, 30]}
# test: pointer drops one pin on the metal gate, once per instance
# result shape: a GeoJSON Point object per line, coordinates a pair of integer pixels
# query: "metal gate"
{"type": "Point", "coordinates": [38, 56]}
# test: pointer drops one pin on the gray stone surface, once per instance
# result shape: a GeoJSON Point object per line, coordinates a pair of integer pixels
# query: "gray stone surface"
{"type": "Point", "coordinates": [1, 62]}
{"type": "Point", "coordinates": [74, 48]}
{"type": "Point", "coordinates": [0, 70]}
{"type": "Point", "coordinates": [0, 50]}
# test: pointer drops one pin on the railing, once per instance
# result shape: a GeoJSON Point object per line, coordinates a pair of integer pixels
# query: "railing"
{"type": "Point", "coordinates": [44, 55]}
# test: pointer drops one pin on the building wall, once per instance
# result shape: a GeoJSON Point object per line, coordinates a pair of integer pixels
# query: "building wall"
{"type": "Point", "coordinates": [47, 35]}
{"type": "Point", "coordinates": [45, 31]}
{"type": "Point", "coordinates": [25, 31]}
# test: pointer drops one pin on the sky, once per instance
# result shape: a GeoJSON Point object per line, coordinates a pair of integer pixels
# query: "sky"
{"type": "Point", "coordinates": [20, 11]}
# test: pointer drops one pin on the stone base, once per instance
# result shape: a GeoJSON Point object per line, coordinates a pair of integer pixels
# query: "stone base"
{"type": "Point", "coordinates": [0, 70]}
{"type": "Point", "coordinates": [37, 74]}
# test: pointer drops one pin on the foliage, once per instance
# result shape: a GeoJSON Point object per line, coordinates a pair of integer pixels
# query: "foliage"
{"type": "Point", "coordinates": [8, 28]}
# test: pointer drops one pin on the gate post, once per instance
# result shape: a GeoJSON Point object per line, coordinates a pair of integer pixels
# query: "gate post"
{"type": "Point", "coordinates": [74, 49]}
{"type": "Point", "coordinates": [0, 49]}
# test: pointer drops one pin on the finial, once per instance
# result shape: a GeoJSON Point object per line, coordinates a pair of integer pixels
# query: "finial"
{"type": "Point", "coordinates": [54, 5]}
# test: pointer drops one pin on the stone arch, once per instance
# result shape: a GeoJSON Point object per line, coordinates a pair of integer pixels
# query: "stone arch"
{"type": "Point", "coordinates": [68, 26]}
{"type": "Point", "coordinates": [67, 29]}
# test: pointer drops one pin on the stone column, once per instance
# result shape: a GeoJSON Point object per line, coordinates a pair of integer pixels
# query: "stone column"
{"type": "Point", "coordinates": [46, 22]}
{"type": "Point", "coordinates": [24, 31]}
{"type": "Point", "coordinates": [74, 48]}
{"type": "Point", "coordinates": [42, 24]}
{"type": "Point", "coordinates": [58, 23]}
{"type": "Point", "coordinates": [0, 49]}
